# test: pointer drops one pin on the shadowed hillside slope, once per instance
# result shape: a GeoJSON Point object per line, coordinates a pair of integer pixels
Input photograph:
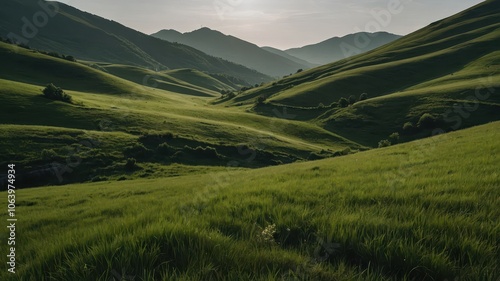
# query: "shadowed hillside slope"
{"type": "Point", "coordinates": [89, 37]}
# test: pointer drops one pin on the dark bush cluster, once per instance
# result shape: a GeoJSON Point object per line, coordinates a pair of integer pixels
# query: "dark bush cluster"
{"type": "Point", "coordinates": [227, 94]}
{"type": "Point", "coordinates": [55, 93]}
{"type": "Point", "coordinates": [384, 143]}
{"type": "Point", "coordinates": [261, 100]}
{"type": "Point", "coordinates": [408, 127]}
{"type": "Point", "coordinates": [345, 102]}
{"type": "Point", "coordinates": [427, 121]}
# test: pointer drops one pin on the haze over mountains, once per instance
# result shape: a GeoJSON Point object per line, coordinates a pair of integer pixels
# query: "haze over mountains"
{"type": "Point", "coordinates": [89, 37]}
{"type": "Point", "coordinates": [279, 62]}
{"type": "Point", "coordinates": [234, 49]}
{"type": "Point", "coordinates": [93, 38]}
{"type": "Point", "coordinates": [338, 48]}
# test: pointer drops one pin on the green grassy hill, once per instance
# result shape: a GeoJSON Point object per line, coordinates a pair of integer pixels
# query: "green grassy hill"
{"type": "Point", "coordinates": [89, 37]}
{"type": "Point", "coordinates": [439, 70]}
{"type": "Point", "coordinates": [185, 81]}
{"type": "Point", "coordinates": [426, 210]}
{"type": "Point", "coordinates": [167, 122]}
{"type": "Point", "coordinates": [453, 44]}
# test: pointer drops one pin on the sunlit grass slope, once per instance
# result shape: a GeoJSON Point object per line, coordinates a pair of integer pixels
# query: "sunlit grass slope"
{"type": "Point", "coordinates": [426, 210]}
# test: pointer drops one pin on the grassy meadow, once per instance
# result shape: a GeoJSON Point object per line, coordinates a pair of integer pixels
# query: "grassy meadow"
{"type": "Point", "coordinates": [425, 210]}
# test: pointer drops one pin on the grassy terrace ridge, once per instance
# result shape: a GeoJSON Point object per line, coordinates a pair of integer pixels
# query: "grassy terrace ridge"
{"type": "Point", "coordinates": [425, 210]}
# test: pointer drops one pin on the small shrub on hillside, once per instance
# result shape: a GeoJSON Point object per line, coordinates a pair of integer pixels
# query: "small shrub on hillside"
{"type": "Point", "coordinates": [261, 100]}
{"type": "Point", "coordinates": [363, 96]}
{"type": "Point", "coordinates": [321, 105]}
{"type": "Point", "coordinates": [426, 121]}
{"type": "Point", "coordinates": [55, 93]}
{"type": "Point", "coordinates": [343, 102]}
{"type": "Point", "coordinates": [384, 143]}
{"type": "Point", "coordinates": [408, 127]}
{"type": "Point", "coordinates": [131, 164]}
{"type": "Point", "coordinates": [394, 137]}
{"type": "Point", "coordinates": [69, 58]}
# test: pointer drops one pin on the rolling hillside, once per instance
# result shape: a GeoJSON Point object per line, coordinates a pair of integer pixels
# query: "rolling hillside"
{"type": "Point", "coordinates": [338, 48]}
{"type": "Point", "coordinates": [89, 37]}
{"type": "Point", "coordinates": [166, 124]}
{"type": "Point", "coordinates": [234, 49]}
{"type": "Point", "coordinates": [184, 81]}
{"type": "Point", "coordinates": [426, 210]}
{"type": "Point", "coordinates": [437, 70]}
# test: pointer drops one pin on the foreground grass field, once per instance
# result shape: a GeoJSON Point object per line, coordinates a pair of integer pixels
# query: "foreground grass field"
{"type": "Point", "coordinates": [426, 210]}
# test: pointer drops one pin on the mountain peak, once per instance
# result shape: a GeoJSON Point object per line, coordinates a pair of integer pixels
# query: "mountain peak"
{"type": "Point", "coordinates": [206, 31]}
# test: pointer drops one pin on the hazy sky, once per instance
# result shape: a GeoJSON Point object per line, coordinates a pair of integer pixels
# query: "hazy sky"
{"type": "Point", "coordinates": [277, 23]}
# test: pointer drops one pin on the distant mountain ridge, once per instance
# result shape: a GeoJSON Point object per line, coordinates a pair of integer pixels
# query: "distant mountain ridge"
{"type": "Point", "coordinates": [288, 56]}
{"type": "Point", "coordinates": [236, 50]}
{"type": "Point", "coordinates": [337, 48]}
{"type": "Point", "coordinates": [67, 30]}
